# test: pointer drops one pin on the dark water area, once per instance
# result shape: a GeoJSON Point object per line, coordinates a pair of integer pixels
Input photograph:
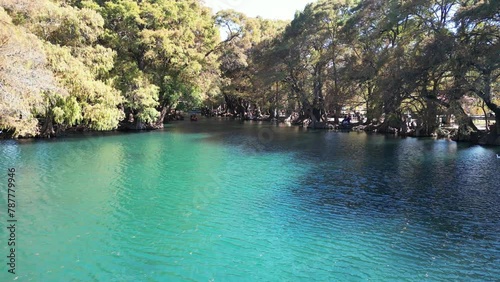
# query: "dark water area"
{"type": "Point", "coordinates": [232, 201]}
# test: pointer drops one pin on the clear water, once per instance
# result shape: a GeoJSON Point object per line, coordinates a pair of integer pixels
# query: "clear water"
{"type": "Point", "coordinates": [226, 201]}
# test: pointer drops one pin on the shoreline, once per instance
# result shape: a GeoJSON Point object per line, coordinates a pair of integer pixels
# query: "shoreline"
{"type": "Point", "coordinates": [476, 138]}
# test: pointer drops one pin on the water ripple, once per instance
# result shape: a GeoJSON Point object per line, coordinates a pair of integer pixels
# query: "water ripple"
{"type": "Point", "coordinates": [197, 202]}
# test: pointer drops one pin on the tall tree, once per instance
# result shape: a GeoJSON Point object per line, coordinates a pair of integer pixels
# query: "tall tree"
{"type": "Point", "coordinates": [163, 50]}
{"type": "Point", "coordinates": [24, 79]}
{"type": "Point", "coordinates": [314, 52]}
{"type": "Point", "coordinates": [477, 62]}
{"type": "Point", "coordinates": [69, 37]}
{"type": "Point", "coordinates": [238, 55]}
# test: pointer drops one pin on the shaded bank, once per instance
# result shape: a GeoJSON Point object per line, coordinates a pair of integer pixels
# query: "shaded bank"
{"type": "Point", "coordinates": [462, 135]}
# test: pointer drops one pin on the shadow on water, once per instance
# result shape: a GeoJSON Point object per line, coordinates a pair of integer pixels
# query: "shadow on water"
{"type": "Point", "coordinates": [422, 177]}
{"type": "Point", "coordinates": [434, 199]}
{"type": "Point", "coordinates": [333, 203]}
{"type": "Point", "coordinates": [449, 187]}
{"type": "Point", "coordinates": [437, 182]}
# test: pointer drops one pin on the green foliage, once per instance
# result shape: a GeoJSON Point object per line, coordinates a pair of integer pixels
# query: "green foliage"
{"type": "Point", "coordinates": [67, 111]}
{"type": "Point", "coordinates": [396, 57]}
{"type": "Point", "coordinates": [244, 53]}
{"type": "Point", "coordinates": [164, 45]}
{"type": "Point", "coordinates": [24, 78]}
{"type": "Point", "coordinates": [96, 64]}
{"type": "Point", "coordinates": [97, 60]}
{"type": "Point", "coordinates": [70, 69]}
{"type": "Point", "coordinates": [98, 100]}
{"type": "Point", "coordinates": [144, 99]}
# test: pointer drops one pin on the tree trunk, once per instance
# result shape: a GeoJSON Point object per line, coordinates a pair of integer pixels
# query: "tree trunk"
{"type": "Point", "coordinates": [273, 113]}
{"type": "Point", "coordinates": [486, 96]}
{"type": "Point", "coordinates": [48, 128]}
{"type": "Point", "coordinates": [486, 118]}
{"type": "Point", "coordinates": [497, 123]}
{"type": "Point", "coordinates": [338, 112]}
{"type": "Point", "coordinates": [318, 83]}
{"type": "Point", "coordinates": [163, 113]}
{"type": "Point", "coordinates": [430, 122]}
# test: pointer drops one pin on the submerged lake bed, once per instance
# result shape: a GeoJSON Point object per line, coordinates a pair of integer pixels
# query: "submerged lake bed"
{"type": "Point", "coordinates": [222, 200]}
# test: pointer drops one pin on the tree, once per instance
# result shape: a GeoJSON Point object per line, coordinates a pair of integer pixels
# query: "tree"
{"type": "Point", "coordinates": [236, 55]}
{"type": "Point", "coordinates": [314, 55]}
{"type": "Point", "coordinates": [477, 61]}
{"type": "Point", "coordinates": [24, 79]}
{"type": "Point", "coordinates": [163, 46]}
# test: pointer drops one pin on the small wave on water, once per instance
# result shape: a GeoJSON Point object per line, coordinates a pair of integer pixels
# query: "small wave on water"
{"type": "Point", "coordinates": [199, 202]}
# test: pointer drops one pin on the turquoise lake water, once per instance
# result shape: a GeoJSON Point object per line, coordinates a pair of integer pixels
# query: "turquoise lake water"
{"type": "Point", "coordinates": [229, 201]}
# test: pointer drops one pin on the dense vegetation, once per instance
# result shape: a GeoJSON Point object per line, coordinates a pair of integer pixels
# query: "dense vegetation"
{"type": "Point", "coordinates": [101, 65]}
